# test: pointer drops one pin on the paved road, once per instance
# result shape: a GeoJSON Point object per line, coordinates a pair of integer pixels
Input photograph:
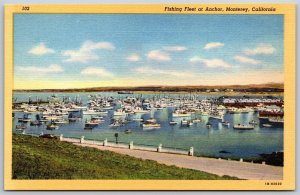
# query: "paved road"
{"type": "Point", "coordinates": [242, 170]}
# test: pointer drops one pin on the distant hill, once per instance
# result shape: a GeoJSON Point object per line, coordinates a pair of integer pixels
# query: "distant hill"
{"type": "Point", "coordinates": [278, 87]}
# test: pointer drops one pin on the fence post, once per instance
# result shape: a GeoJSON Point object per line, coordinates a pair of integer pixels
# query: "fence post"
{"type": "Point", "coordinates": [82, 139]}
{"type": "Point", "coordinates": [105, 142]}
{"type": "Point", "coordinates": [131, 145]}
{"type": "Point", "coordinates": [191, 152]}
{"type": "Point", "coordinates": [61, 137]}
{"type": "Point", "coordinates": [159, 148]}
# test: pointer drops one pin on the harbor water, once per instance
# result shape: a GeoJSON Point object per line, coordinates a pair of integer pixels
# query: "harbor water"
{"type": "Point", "coordinates": [218, 141]}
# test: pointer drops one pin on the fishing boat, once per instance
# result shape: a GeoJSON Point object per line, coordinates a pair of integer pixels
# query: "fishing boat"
{"type": "Point", "coordinates": [115, 124]}
{"type": "Point", "coordinates": [60, 121]}
{"type": "Point", "coordinates": [25, 118]}
{"type": "Point", "coordinates": [173, 123]}
{"type": "Point", "coordinates": [151, 124]}
{"type": "Point", "coordinates": [243, 127]}
{"type": "Point", "coordinates": [97, 117]}
{"type": "Point", "coordinates": [240, 110]}
{"type": "Point", "coordinates": [138, 119]}
{"type": "Point", "coordinates": [119, 112]}
{"type": "Point", "coordinates": [253, 122]}
{"type": "Point", "coordinates": [20, 127]}
{"type": "Point", "coordinates": [267, 125]}
{"type": "Point", "coordinates": [94, 112]}
{"type": "Point", "coordinates": [151, 120]}
{"type": "Point", "coordinates": [90, 112]}
{"type": "Point", "coordinates": [276, 120]}
{"type": "Point", "coordinates": [35, 123]}
{"type": "Point", "coordinates": [197, 120]}
{"type": "Point", "coordinates": [93, 123]}
{"type": "Point", "coordinates": [226, 123]}
{"type": "Point", "coordinates": [52, 127]}
{"type": "Point", "coordinates": [97, 120]}
{"type": "Point", "coordinates": [184, 122]}
{"type": "Point", "coordinates": [140, 110]}
{"type": "Point", "coordinates": [43, 119]}
{"type": "Point", "coordinates": [181, 113]}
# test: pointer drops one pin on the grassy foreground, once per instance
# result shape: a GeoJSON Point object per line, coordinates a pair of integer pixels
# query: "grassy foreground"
{"type": "Point", "coordinates": [40, 158]}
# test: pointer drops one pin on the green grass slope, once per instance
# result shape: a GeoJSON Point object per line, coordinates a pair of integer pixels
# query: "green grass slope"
{"type": "Point", "coordinates": [40, 158]}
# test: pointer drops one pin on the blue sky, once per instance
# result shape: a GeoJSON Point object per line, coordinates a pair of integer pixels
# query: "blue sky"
{"type": "Point", "coordinates": [89, 50]}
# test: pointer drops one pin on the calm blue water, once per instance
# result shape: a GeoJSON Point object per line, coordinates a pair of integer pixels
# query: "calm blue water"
{"type": "Point", "coordinates": [205, 141]}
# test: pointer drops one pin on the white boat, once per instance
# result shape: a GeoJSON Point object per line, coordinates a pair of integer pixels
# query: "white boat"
{"type": "Point", "coordinates": [115, 124]}
{"type": "Point", "coordinates": [151, 126]}
{"type": "Point", "coordinates": [107, 108]}
{"type": "Point", "coordinates": [243, 127]}
{"type": "Point", "coordinates": [53, 117]}
{"type": "Point", "coordinates": [225, 123]}
{"type": "Point", "coordinates": [151, 120]}
{"type": "Point", "coordinates": [218, 117]}
{"type": "Point", "coordinates": [79, 107]}
{"type": "Point", "coordinates": [184, 122]}
{"type": "Point", "coordinates": [91, 123]}
{"type": "Point", "coordinates": [240, 110]}
{"type": "Point", "coordinates": [181, 114]}
{"type": "Point", "coordinates": [119, 112]}
{"type": "Point", "coordinates": [20, 127]}
{"type": "Point", "coordinates": [52, 127]}
{"type": "Point", "coordinates": [97, 117]}
{"type": "Point", "coordinates": [173, 123]}
{"type": "Point", "coordinates": [267, 125]}
{"type": "Point", "coordinates": [253, 122]}
{"type": "Point", "coordinates": [197, 121]}
{"type": "Point", "coordinates": [61, 121]}
{"type": "Point", "coordinates": [140, 110]}
{"type": "Point", "coordinates": [25, 120]}
{"type": "Point", "coordinates": [94, 112]}
{"type": "Point", "coordinates": [276, 120]}
{"type": "Point", "coordinates": [138, 119]}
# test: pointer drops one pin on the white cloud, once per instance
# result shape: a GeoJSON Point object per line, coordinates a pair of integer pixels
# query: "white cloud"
{"type": "Point", "coordinates": [151, 71]}
{"type": "Point", "coordinates": [133, 58]}
{"type": "Point", "coordinates": [264, 49]}
{"type": "Point", "coordinates": [87, 51]}
{"type": "Point", "coordinates": [246, 60]}
{"type": "Point", "coordinates": [53, 68]}
{"type": "Point", "coordinates": [213, 45]}
{"type": "Point", "coordinates": [175, 48]}
{"type": "Point", "coordinates": [40, 49]}
{"type": "Point", "coordinates": [211, 63]}
{"type": "Point", "coordinates": [158, 55]}
{"type": "Point", "coordinates": [96, 71]}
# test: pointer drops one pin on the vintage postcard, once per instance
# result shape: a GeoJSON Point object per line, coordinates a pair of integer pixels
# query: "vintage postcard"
{"type": "Point", "coordinates": [150, 97]}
